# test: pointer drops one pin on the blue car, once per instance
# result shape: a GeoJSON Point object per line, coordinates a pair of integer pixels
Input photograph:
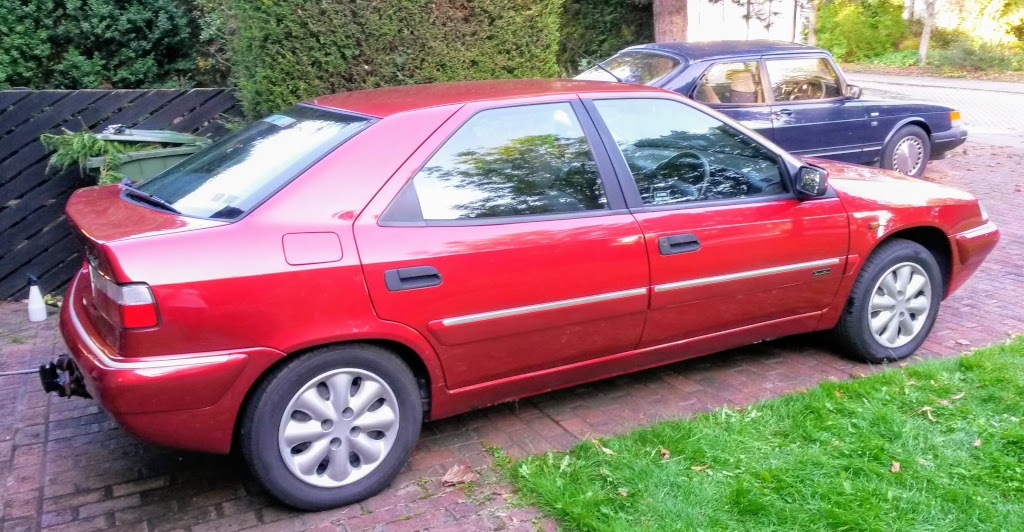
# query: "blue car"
{"type": "Point", "coordinates": [796, 96]}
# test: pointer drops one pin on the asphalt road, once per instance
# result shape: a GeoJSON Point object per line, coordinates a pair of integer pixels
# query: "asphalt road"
{"type": "Point", "coordinates": [992, 112]}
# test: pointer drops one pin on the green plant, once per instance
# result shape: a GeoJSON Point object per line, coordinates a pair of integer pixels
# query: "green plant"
{"type": "Point", "coordinates": [900, 58]}
{"type": "Point", "coordinates": [859, 30]}
{"type": "Point", "coordinates": [290, 50]}
{"type": "Point", "coordinates": [74, 148]}
{"type": "Point", "coordinates": [933, 446]}
{"type": "Point", "coordinates": [600, 28]}
{"type": "Point", "coordinates": [969, 55]}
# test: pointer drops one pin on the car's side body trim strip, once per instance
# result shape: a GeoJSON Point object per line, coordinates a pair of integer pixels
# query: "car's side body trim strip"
{"type": "Point", "coordinates": [515, 311]}
{"type": "Point", "coordinates": [744, 275]}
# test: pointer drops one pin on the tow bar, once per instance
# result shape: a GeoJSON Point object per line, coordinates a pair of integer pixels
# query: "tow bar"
{"type": "Point", "coordinates": [64, 377]}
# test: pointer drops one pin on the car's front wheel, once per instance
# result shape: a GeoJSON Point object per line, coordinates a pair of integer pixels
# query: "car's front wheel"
{"type": "Point", "coordinates": [332, 427]}
{"type": "Point", "coordinates": [907, 151]}
{"type": "Point", "coordinates": [893, 303]}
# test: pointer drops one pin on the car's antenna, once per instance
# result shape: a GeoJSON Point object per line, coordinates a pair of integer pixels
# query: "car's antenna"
{"type": "Point", "coordinates": [591, 59]}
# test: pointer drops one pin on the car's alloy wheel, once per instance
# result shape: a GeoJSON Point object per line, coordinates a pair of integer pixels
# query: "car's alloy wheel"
{"type": "Point", "coordinates": [908, 156]}
{"type": "Point", "coordinates": [332, 426]}
{"type": "Point", "coordinates": [893, 303]}
{"type": "Point", "coordinates": [338, 427]}
{"type": "Point", "coordinates": [899, 304]}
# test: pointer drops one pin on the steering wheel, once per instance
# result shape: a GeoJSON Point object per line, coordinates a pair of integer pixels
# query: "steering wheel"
{"type": "Point", "coordinates": [804, 91]}
{"type": "Point", "coordinates": [668, 163]}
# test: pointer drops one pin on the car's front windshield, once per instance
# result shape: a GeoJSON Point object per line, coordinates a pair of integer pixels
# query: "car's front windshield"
{"type": "Point", "coordinates": [633, 66]}
{"type": "Point", "coordinates": [232, 176]}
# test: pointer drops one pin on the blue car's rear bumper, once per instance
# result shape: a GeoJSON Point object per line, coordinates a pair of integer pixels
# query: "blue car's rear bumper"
{"type": "Point", "coordinates": [947, 140]}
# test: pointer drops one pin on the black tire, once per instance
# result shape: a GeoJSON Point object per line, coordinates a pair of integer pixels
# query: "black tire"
{"type": "Point", "coordinates": [853, 332]}
{"type": "Point", "coordinates": [262, 418]}
{"type": "Point", "coordinates": [908, 131]}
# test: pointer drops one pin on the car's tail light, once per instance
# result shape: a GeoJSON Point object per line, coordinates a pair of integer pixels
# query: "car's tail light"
{"type": "Point", "coordinates": [128, 306]}
{"type": "Point", "coordinates": [954, 118]}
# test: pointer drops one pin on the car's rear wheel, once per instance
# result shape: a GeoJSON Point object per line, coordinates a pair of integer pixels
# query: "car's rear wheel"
{"type": "Point", "coordinates": [907, 151]}
{"type": "Point", "coordinates": [332, 427]}
{"type": "Point", "coordinates": [893, 303]}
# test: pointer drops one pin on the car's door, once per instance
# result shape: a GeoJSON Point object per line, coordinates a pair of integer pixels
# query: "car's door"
{"type": "Point", "coordinates": [811, 114]}
{"type": "Point", "coordinates": [736, 89]}
{"type": "Point", "coordinates": [729, 245]}
{"type": "Point", "coordinates": [507, 244]}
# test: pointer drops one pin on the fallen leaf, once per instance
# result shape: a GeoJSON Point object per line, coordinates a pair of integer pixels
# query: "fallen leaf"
{"type": "Point", "coordinates": [623, 493]}
{"type": "Point", "coordinates": [700, 467]}
{"type": "Point", "coordinates": [603, 449]}
{"type": "Point", "coordinates": [459, 474]}
{"type": "Point", "coordinates": [665, 454]}
{"type": "Point", "coordinates": [894, 467]}
{"type": "Point", "coordinates": [957, 396]}
{"type": "Point", "coordinates": [963, 342]}
{"type": "Point", "coordinates": [977, 442]}
{"type": "Point", "coordinates": [943, 402]}
{"type": "Point", "coordinates": [927, 410]}
{"type": "Point", "coordinates": [839, 394]}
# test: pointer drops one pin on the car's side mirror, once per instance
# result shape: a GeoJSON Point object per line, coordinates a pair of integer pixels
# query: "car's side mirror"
{"type": "Point", "coordinates": [853, 91]}
{"type": "Point", "coordinates": [811, 182]}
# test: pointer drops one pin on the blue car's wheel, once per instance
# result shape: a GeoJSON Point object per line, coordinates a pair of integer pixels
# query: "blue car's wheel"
{"type": "Point", "coordinates": [907, 151]}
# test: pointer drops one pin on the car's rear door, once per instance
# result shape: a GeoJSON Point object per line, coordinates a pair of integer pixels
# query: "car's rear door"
{"type": "Point", "coordinates": [730, 246]}
{"type": "Point", "coordinates": [505, 241]}
{"type": "Point", "coordinates": [811, 114]}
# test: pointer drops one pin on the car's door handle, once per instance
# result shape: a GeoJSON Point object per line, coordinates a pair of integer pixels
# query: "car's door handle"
{"type": "Point", "coordinates": [672, 244]}
{"type": "Point", "coordinates": [412, 277]}
{"type": "Point", "coordinates": [782, 112]}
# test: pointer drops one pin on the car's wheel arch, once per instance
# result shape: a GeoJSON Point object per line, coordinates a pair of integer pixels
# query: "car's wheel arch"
{"type": "Point", "coordinates": [932, 238]}
{"type": "Point", "coordinates": [910, 121]}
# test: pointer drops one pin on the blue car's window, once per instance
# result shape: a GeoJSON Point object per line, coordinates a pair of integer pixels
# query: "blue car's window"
{"type": "Point", "coordinates": [810, 78]}
{"type": "Point", "coordinates": [634, 66]}
{"type": "Point", "coordinates": [236, 173]}
{"type": "Point", "coordinates": [512, 161]}
{"type": "Point", "coordinates": [731, 84]}
{"type": "Point", "coordinates": [678, 154]}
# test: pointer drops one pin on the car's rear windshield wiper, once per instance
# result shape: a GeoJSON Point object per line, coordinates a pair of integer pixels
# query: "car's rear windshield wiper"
{"type": "Point", "coordinates": [146, 197]}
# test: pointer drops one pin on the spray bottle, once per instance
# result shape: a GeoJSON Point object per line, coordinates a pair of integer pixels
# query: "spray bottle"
{"type": "Point", "coordinates": [36, 305]}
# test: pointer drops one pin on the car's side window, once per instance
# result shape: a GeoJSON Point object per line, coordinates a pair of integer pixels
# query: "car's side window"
{"type": "Point", "coordinates": [731, 83]}
{"type": "Point", "coordinates": [678, 154]}
{"type": "Point", "coordinates": [512, 161]}
{"type": "Point", "coordinates": [808, 78]}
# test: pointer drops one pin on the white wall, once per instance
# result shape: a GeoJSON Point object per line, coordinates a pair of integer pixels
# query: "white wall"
{"type": "Point", "coordinates": [725, 20]}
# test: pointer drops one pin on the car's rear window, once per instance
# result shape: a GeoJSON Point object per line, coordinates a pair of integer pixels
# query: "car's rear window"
{"type": "Point", "coordinates": [238, 172]}
{"type": "Point", "coordinates": [642, 68]}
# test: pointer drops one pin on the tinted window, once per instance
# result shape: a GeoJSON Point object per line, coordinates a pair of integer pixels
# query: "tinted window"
{"type": "Point", "coordinates": [642, 68]}
{"type": "Point", "coordinates": [678, 154]}
{"type": "Point", "coordinates": [512, 161]}
{"type": "Point", "coordinates": [235, 174]}
{"type": "Point", "coordinates": [809, 78]}
{"type": "Point", "coordinates": [731, 83]}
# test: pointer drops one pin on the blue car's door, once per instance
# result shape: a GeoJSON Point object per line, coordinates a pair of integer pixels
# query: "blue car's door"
{"type": "Point", "coordinates": [736, 89]}
{"type": "Point", "coordinates": [811, 114]}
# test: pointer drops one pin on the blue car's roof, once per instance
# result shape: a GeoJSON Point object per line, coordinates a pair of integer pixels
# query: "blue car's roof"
{"type": "Point", "coordinates": [699, 51]}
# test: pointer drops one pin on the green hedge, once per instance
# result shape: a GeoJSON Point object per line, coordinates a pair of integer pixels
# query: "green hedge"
{"type": "Point", "coordinates": [599, 28]}
{"type": "Point", "coordinates": [860, 30]}
{"type": "Point", "coordinates": [290, 50]}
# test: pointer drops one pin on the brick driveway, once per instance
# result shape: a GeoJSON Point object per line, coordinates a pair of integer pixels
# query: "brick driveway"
{"type": "Point", "coordinates": [65, 466]}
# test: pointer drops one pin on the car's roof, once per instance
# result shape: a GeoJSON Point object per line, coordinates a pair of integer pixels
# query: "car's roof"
{"type": "Point", "coordinates": [390, 100]}
{"type": "Point", "coordinates": [699, 51]}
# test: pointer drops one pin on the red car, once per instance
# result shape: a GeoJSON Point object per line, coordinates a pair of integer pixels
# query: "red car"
{"type": "Point", "coordinates": [313, 286]}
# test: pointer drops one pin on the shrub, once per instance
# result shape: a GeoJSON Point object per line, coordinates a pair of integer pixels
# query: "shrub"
{"type": "Point", "coordinates": [599, 28]}
{"type": "Point", "coordinates": [289, 50]}
{"type": "Point", "coordinates": [860, 30]}
{"type": "Point", "coordinates": [968, 55]}
{"type": "Point", "coordinates": [900, 58]}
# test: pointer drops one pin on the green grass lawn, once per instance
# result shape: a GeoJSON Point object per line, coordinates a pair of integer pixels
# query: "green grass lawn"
{"type": "Point", "coordinates": [937, 445]}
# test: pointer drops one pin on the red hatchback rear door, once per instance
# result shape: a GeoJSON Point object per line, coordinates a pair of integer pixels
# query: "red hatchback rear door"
{"type": "Point", "coordinates": [505, 241]}
{"type": "Point", "coordinates": [730, 246]}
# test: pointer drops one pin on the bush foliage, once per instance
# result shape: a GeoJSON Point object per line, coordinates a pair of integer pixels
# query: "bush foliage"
{"type": "Point", "coordinates": [860, 30]}
{"type": "Point", "coordinates": [599, 28]}
{"type": "Point", "coordinates": [290, 50]}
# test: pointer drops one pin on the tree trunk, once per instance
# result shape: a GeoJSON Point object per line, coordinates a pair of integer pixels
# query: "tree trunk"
{"type": "Point", "coordinates": [908, 9]}
{"type": "Point", "coordinates": [926, 34]}
{"type": "Point", "coordinates": [812, 22]}
{"type": "Point", "coordinates": [669, 20]}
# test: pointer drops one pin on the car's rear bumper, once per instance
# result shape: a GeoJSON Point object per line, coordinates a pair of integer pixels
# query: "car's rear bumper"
{"type": "Point", "coordinates": [944, 141]}
{"type": "Point", "coordinates": [187, 401]}
{"type": "Point", "coordinates": [971, 247]}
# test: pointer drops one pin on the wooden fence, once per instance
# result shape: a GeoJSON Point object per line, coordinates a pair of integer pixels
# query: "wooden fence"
{"type": "Point", "coordinates": [35, 237]}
